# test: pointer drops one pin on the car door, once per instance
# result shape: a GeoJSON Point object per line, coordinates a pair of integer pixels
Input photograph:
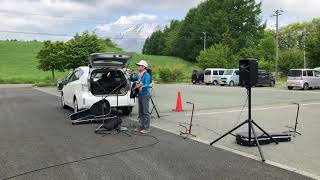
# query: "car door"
{"type": "Point", "coordinates": [236, 76]}
{"type": "Point", "coordinates": [317, 78]}
{"type": "Point", "coordinates": [70, 87]}
{"type": "Point", "coordinates": [311, 78]}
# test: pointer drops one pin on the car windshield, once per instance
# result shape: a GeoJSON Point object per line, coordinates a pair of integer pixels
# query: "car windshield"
{"type": "Point", "coordinates": [294, 73]}
{"type": "Point", "coordinates": [228, 72]}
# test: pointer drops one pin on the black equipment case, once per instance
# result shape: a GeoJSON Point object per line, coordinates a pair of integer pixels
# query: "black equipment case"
{"type": "Point", "coordinates": [242, 138]}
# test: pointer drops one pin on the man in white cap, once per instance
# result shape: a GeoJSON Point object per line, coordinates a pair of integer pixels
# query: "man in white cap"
{"type": "Point", "coordinates": [143, 84]}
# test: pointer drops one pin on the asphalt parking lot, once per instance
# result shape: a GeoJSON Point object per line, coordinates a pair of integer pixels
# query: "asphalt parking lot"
{"type": "Point", "coordinates": [219, 109]}
{"type": "Point", "coordinates": [35, 133]}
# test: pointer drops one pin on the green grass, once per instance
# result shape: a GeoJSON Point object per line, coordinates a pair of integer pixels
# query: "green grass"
{"type": "Point", "coordinates": [18, 64]}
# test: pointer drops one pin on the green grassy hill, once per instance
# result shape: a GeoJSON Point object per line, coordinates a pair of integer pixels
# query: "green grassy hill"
{"type": "Point", "coordinates": [18, 63]}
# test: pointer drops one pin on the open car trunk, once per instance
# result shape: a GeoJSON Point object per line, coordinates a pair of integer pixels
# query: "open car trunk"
{"type": "Point", "coordinates": [108, 82]}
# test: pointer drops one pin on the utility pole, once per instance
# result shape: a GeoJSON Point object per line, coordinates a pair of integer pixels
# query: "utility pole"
{"type": "Point", "coordinates": [304, 34]}
{"type": "Point", "coordinates": [204, 40]}
{"type": "Point", "coordinates": [277, 14]}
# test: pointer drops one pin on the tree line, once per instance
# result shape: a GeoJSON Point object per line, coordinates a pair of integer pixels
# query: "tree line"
{"type": "Point", "coordinates": [233, 29]}
{"type": "Point", "coordinates": [61, 56]}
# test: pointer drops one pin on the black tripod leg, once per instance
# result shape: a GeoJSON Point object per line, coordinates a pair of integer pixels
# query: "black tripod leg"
{"type": "Point", "coordinates": [258, 144]}
{"type": "Point", "coordinates": [228, 132]}
{"type": "Point", "coordinates": [265, 132]}
{"type": "Point", "coordinates": [154, 106]}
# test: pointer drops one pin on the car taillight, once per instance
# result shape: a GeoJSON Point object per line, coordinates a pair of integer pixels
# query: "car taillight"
{"type": "Point", "coordinates": [84, 87]}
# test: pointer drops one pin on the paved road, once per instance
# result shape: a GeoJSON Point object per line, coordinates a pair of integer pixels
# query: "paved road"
{"type": "Point", "coordinates": [35, 132]}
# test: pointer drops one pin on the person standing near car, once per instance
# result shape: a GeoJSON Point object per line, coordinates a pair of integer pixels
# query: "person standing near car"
{"type": "Point", "coordinates": [143, 84]}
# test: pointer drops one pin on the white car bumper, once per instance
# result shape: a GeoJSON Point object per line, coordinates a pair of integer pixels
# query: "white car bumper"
{"type": "Point", "coordinates": [86, 100]}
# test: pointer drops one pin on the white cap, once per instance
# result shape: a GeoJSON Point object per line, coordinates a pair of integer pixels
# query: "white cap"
{"type": "Point", "coordinates": [142, 63]}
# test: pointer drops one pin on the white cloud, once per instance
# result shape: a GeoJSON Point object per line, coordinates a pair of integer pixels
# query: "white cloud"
{"type": "Point", "coordinates": [125, 22]}
{"type": "Point", "coordinates": [294, 10]}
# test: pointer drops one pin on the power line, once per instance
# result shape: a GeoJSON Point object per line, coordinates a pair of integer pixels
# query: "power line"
{"type": "Point", "coordinates": [55, 34]}
{"type": "Point", "coordinates": [71, 19]}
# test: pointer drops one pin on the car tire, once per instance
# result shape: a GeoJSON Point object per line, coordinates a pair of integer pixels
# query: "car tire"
{"type": "Point", "coordinates": [231, 83]}
{"type": "Point", "coordinates": [127, 110]}
{"type": "Point", "coordinates": [305, 86]}
{"type": "Point", "coordinates": [63, 104]}
{"type": "Point", "coordinates": [272, 83]}
{"type": "Point", "coordinates": [194, 82]}
{"type": "Point", "coordinates": [75, 105]}
{"type": "Point", "coordinates": [290, 87]}
{"type": "Point", "coordinates": [215, 83]}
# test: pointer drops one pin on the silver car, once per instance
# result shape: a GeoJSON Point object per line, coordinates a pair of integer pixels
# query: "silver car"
{"type": "Point", "coordinates": [303, 79]}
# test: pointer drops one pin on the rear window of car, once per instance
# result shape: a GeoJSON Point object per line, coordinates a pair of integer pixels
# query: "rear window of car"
{"type": "Point", "coordinates": [207, 72]}
{"type": "Point", "coordinates": [294, 73]}
{"type": "Point", "coordinates": [215, 73]}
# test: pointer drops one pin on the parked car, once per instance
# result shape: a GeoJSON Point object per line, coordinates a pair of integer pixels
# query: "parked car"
{"type": "Point", "coordinates": [213, 75]}
{"type": "Point", "coordinates": [303, 79]}
{"type": "Point", "coordinates": [63, 81]}
{"type": "Point", "coordinates": [230, 77]}
{"type": "Point", "coordinates": [197, 77]}
{"type": "Point", "coordinates": [104, 77]}
{"type": "Point", "coordinates": [265, 79]}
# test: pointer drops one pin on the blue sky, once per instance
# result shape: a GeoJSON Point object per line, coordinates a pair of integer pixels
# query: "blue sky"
{"type": "Point", "coordinates": [54, 16]}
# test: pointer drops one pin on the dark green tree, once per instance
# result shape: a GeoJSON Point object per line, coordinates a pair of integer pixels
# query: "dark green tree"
{"type": "Point", "coordinates": [52, 57]}
{"type": "Point", "coordinates": [313, 48]}
{"type": "Point", "coordinates": [290, 59]}
{"type": "Point", "coordinates": [79, 47]}
{"type": "Point", "coordinates": [236, 23]}
{"type": "Point", "coordinates": [217, 56]}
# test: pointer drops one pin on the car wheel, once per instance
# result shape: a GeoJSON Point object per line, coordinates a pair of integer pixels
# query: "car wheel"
{"type": "Point", "coordinates": [305, 86]}
{"type": "Point", "coordinates": [194, 81]}
{"type": "Point", "coordinates": [231, 83]}
{"type": "Point", "coordinates": [272, 84]}
{"type": "Point", "coordinates": [63, 104]}
{"type": "Point", "coordinates": [290, 87]}
{"type": "Point", "coordinates": [126, 110]}
{"type": "Point", "coordinates": [75, 105]}
{"type": "Point", "coordinates": [215, 83]}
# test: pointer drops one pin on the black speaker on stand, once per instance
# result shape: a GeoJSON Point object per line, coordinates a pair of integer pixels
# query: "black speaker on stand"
{"type": "Point", "coordinates": [248, 75]}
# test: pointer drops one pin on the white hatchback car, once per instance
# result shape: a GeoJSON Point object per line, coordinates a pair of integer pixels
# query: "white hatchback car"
{"type": "Point", "coordinates": [103, 78]}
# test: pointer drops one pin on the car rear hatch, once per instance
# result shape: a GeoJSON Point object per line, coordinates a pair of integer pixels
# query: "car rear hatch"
{"type": "Point", "coordinates": [101, 60]}
{"type": "Point", "coordinates": [294, 74]}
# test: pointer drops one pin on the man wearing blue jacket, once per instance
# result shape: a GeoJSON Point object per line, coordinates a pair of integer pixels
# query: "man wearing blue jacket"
{"type": "Point", "coordinates": [143, 84]}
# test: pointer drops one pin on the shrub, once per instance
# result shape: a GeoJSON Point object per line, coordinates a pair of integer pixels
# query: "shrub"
{"type": "Point", "coordinates": [165, 74]}
{"type": "Point", "coordinates": [171, 75]}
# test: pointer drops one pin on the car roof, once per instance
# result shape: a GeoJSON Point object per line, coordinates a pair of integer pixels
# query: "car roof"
{"type": "Point", "coordinates": [302, 69]}
{"type": "Point", "coordinates": [215, 69]}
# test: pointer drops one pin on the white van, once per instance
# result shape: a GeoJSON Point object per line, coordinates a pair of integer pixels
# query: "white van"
{"type": "Point", "coordinates": [230, 77]}
{"type": "Point", "coordinates": [303, 79]}
{"type": "Point", "coordinates": [212, 75]}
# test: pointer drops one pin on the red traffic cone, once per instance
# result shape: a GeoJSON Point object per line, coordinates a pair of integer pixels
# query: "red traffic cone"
{"type": "Point", "coordinates": [179, 103]}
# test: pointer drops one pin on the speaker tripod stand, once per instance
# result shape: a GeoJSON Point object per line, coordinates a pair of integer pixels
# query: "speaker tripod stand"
{"type": "Point", "coordinates": [252, 136]}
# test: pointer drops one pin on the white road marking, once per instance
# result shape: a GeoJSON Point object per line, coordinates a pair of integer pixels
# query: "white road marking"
{"type": "Point", "coordinates": [255, 109]}
{"type": "Point", "coordinates": [256, 89]}
{"type": "Point", "coordinates": [279, 165]}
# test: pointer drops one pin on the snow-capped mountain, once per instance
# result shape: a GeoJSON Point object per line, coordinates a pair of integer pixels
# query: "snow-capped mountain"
{"type": "Point", "coordinates": [133, 38]}
{"type": "Point", "coordinates": [129, 37]}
